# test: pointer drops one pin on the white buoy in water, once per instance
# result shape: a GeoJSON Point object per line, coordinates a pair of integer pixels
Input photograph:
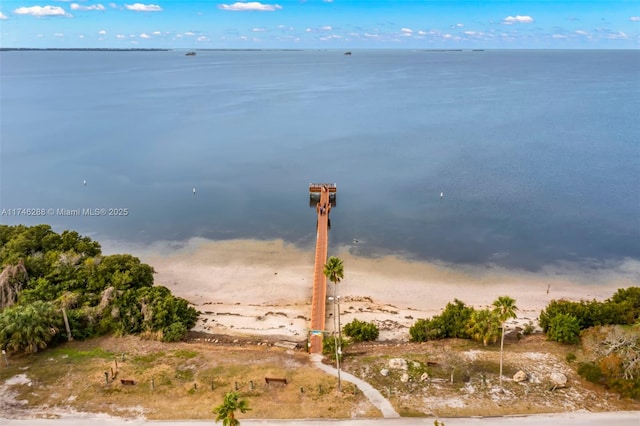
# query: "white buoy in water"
{"type": "Point", "coordinates": [442, 195]}
{"type": "Point", "coordinates": [194, 190]}
{"type": "Point", "coordinates": [84, 182]}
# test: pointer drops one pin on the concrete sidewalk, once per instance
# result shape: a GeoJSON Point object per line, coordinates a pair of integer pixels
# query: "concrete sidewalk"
{"type": "Point", "coordinates": [372, 394]}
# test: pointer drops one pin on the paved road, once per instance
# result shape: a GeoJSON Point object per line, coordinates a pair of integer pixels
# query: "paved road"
{"type": "Point", "coordinates": [627, 418]}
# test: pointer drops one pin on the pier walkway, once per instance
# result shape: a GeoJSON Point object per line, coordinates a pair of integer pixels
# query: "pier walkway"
{"type": "Point", "coordinates": [318, 301]}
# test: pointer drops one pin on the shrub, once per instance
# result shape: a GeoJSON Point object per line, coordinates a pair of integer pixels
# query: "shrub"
{"type": "Point", "coordinates": [564, 328]}
{"type": "Point", "coordinates": [528, 328]}
{"type": "Point", "coordinates": [571, 357]}
{"type": "Point", "coordinates": [452, 322]}
{"type": "Point", "coordinates": [590, 371]}
{"type": "Point", "coordinates": [329, 346]}
{"type": "Point", "coordinates": [361, 331]}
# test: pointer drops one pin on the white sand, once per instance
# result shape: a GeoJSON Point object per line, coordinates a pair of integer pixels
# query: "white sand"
{"type": "Point", "coordinates": [264, 287]}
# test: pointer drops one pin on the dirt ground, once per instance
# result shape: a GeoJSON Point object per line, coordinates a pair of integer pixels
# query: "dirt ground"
{"type": "Point", "coordinates": [186, 380]}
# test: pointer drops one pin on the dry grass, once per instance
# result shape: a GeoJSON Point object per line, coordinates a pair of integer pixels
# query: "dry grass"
{"type": "Point", "coordinates": [187, 380]}
{"type": "Point", "coordinates": [180, 381]}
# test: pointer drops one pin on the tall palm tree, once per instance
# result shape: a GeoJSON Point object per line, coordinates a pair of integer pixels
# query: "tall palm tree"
{"type": "Point", "coordinates": [334, 270]}
{"type": "Point", "coordinates": [505, 307]}
{"type": "Point", "coordinates": [227, 410]}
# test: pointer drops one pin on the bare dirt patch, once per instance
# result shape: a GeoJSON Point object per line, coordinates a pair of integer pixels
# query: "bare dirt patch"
{"type": "Point", "coordinates": [461, 378]}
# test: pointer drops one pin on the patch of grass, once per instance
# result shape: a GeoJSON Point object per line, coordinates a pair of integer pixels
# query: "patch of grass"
{"type": "Point", "coordinates": [184, 374]}
{"type": "Point", "coordinates": [186, 354]}
{"type": "Point", "coordinates": [148, 358]}
{"type": "Point", "coordinates": [71, 353]}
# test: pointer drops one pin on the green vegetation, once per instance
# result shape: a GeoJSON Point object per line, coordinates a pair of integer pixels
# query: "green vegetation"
{"type": "Point", "coordinates": [564, 328]}
{"type": "Point", "coordinates": [29, 328]}
{"type": "Point", "coordinates": [452, 322]}
{"type": "Point", "coordinates": [361, 331]}
{"type": "Point", "coordinates": [622, 308]}
{"type": "Point", "coordinates": [504, 308]}
{"type": "Point", "coordinates": [483, 326]}
{"type": "Point", "coordinates": [334, 270]}
{"type": "Point", "coordinates": [227, 410]}
{"type": "Point", "coordinates": [612, 328]}
{"type": "Point", "coordinates": [57, 287]}
{"type": "Point", "coordinates": [330, 347]}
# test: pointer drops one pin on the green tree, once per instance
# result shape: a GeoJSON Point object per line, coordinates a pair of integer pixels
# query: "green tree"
{"type": "Point", "coordinates": [505, 308]}
{"type": "Point", "coordinates": [334, 270]}
{"type": "Point", "coordinates": [484, 326]}
{"type": "Point", "coordinates": [361, 331]}
{"type": "Point", "coordinates": [30, 327]}
{"type": "Point", "coordinates": [452, 322]}
{"type": "Point", "coordinates": [227, 410]}
{"type": "Point", "coordinates": [564, 328]}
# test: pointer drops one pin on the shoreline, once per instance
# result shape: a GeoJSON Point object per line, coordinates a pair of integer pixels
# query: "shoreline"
{"type": "Point", "coordinates": [260, 288]}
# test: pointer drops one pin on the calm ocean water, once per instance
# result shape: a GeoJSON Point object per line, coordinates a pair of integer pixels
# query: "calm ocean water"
{"type": "Point", "coordinates": [537, 152]}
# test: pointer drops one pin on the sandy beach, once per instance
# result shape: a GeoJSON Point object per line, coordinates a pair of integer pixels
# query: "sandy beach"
{"type": "Point", "coordinates": [250, 287]}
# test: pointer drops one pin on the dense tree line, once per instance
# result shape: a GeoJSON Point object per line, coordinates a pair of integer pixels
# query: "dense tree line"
{"type": "Point", "coordinates": [622, 308]}
{"type": "Point", "coordinates": [55, 287]}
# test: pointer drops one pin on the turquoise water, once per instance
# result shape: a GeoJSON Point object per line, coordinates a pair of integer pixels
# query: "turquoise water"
{"type": "Point", "coordinates": [537, 153]}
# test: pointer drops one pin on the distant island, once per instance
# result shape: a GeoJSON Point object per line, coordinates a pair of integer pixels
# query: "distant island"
{"type": "Point", "coordinates": [82, 49]}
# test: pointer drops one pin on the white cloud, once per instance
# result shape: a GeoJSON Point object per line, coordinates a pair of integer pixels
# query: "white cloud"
{"type": "Point", "coordinates": [156, 33]}
{"type": "Point", "coordinates": [189, 33]}
{"type": "Point", "coordinates": [58, 34]}
{"type": "Point", "coordinates": [518, 19]}
{"type": "Point", "coordinates": [202, 38]}
{"type": "Point", "coordinates": [3, 16]}
{"type": "Point", "coordinates": [326, 28]}
{"type": "Point", "coordinates": [407, 31]}
{"type": "Point", "coordinates": [252, 5]}
{"type": "Point", "coordinates": [102, 32]}
{"type": "Point", "coordinates": [41, 11]}
{"type": "Point", "coordinates": [635, 19]}
{"type": "Point", "coordinates": [422, 33]}
{"type": "Point", "coordinates": [139, 7]}
{"type": "Point", "coordinates": [259, 30]}
{"type": "Point", "coordinates": [121, 36]}
{"type": "Point", "coordinates": [581, 32]}
{"type": "Point", "coordinates": [76, 6]}
{"type": "Point", "coordinates": [560, 36]}
{"type": "Point", "coordinates": [145, 35]}
{"type": "Point", "coordinates": [618, 36]}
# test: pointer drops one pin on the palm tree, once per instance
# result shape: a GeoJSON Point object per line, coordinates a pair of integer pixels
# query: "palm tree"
{"type": "Point", "coordinates": [334, 270]}
{"type": "Point", "coordinates": [505, 307]}
{"type": "Point", "coordinates": [28, 328]}
{"type": "Point", "coordinates": [484, 326]}
{"type": "Point", "coordinates": [227, 410]}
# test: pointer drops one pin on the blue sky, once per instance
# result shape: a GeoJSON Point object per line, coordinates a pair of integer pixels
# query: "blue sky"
{"type": "Point", "coordinates": [330, 24]}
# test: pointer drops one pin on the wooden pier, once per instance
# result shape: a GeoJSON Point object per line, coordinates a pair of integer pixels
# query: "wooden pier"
{"type": "Point", "coordinates": [318, 302]}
